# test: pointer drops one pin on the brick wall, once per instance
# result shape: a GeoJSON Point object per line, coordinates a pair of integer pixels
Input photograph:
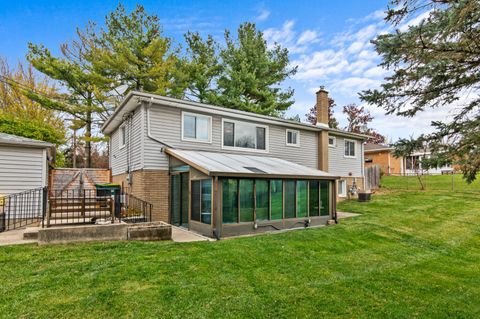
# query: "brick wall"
{"type": "Point", "coordinates": [382, 159]}
{"type": "Point", "coordinates": [151, 186]}
{"type": "Point", "coordinates": [349, 180]}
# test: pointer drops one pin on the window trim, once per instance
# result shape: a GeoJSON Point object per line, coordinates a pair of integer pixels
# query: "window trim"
{"type": "Point", "coordinates": [334, 142]}
{"type": "Point", "coordinates": [122, 132]}
{"type": "Point", "coordinates": [189, 139]}
{"type": "Point", "coordinates": [340, 194]}
{"type": "Point", "coordinates": [354, 148]}
{"type": "Point", "coordinates": [246, 149]}
{"type": "Point", "coordinates": [286, 137]}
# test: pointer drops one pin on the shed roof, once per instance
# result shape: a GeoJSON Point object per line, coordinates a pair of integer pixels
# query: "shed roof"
{"type": "Point", "coordinates": [225, 164]}
{"type": "Point", "coordinates": [22, 141]}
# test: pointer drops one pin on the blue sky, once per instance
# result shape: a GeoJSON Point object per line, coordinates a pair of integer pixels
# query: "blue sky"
{"type": "Point", "coordinates": [328, 40]}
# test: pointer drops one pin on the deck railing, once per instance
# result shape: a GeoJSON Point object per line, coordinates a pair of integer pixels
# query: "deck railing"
{"type": "Point", "coordinates": [23, 209]}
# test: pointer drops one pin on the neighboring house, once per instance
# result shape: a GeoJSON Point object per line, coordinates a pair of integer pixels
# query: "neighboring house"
{"type": "Point", "coordinates": [23, 163]}
{"type": "Point", "coordinates": [223, 172]}
{"type": "Point", "coordinates": [376, 154]}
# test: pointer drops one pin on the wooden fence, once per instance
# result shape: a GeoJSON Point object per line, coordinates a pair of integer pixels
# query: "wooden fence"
{"type": "Point", "coordinates": [372, 177]}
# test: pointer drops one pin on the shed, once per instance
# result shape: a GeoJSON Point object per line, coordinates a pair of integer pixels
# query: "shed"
{"type": "Point", "coordinates": [23, 163]}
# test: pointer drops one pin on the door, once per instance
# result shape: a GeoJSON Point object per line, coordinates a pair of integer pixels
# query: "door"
{"type": "Point", "coordinates": [179, 199]}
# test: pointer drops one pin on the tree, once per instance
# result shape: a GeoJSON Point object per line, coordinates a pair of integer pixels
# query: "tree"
{"type": "Point", "coordinates": [358, 119]}
{"type": "Point", "coordinates": [202, 68]}
{"type": "Point", "coordinates": [252, 73]}
{"type": "Point", "coordinates": [21, 116]}
{"type": "Point", "coordinates": [404, 148]}
{"type": "Point", "coordinates": [131, 52]}
{"type": "Point", "coordinates": [85, 98]}
{"type": "Point", "coordinates": [312, 114]}
{"type": "Point", "coordinates": [435, 64]}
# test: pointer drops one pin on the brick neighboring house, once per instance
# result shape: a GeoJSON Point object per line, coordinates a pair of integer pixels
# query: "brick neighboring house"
{"type": "Point", "coordinates": [376, 154]}
{"type": "Point", "coordinates": [221, 172]}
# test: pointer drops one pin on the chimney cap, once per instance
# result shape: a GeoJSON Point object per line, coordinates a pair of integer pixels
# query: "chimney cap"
{"type": "Point", "coordinates": [322, 89]}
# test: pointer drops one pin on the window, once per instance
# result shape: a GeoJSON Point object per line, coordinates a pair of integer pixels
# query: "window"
{"type": "Point", "coordinates": [290, 199]}
{"type": "Point", "coordinates": [332, 141]}
{"type": "Point", "coordinates": [201, 205]}
{"type": "Point", "coordinates": [293, 138]}
{"type": "Point", "coordinates": [230, 201]}
{"type": "Point", "coordinates": [325, 198]}
{"type": "Point", "coordinates": [261, 194]}
{"type": "Point", "coordinates": [276, 198]}
{"type": "Point", "coordinates": [244, 135]}
{"type": "Point", "coordinates": [246, 200]}
{"type": "Point", "coordinates": [302, 199]}
{"type": "Point", "coordinates": [123, 136]}
{"type": "Point", "coordinates": [342, 188]}
{"type": "Point", "coordinates": [314, 198]}
{"type": "Point", "coordinates": [196, 127]}
{"type": "Point", "coordinates": [349, 148]}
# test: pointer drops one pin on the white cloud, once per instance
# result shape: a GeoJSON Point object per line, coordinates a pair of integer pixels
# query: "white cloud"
{"type": "Point", "coordinates": [263, 15]}
{"type": "Point", "coordinates": [308, 36]}
{"type": "Point", "coordinates": [414, 21]}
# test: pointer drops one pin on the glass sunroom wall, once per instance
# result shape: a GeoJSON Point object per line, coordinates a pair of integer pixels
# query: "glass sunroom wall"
{"type": "Point", "coordinates": [262, 199]}
{"type": "Point", "coordinates": [229, 201]}
{"type": "Point", "coordinates": [302, 198]}
{"type": "Point", "coordinates": [246, 200]}
{"type": "Point", "coordinates": [314, 198]}
{"type": "Point", "coordinates": [276, 199]}
{"type": "Point", "coordinates": [324, 198]}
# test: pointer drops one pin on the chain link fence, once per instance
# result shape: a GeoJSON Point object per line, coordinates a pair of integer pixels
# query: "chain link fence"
{"type": "Point", "coordinates": [450, 182]}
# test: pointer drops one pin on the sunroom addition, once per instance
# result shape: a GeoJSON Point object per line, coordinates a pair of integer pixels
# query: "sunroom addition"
{"type": "Point", "coordinates": [220, 194]}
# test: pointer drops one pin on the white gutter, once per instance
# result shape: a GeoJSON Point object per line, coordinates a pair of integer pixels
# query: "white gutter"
{"type": "Point", "coordinates": [149, 134]}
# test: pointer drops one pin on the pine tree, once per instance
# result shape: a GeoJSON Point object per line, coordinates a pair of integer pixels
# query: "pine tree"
{"type": "Point", "coordinates": [435, 64]}
{"type": "Point", "coordinates": [252, 73]}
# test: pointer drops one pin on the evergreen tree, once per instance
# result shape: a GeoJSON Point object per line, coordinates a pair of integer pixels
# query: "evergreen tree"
{"type": "Point", "coordinates": [435, 64]}
{"type": "Point", "coordinates": [252, 73]}
{"type": "Point", "coordinates": [202, 68]}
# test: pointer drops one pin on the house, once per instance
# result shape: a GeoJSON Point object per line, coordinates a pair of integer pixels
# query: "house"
{"type": "Point", "coordinates": [223, 172]}
{"type": "Point", "coordinates": [382, 155]}
{"type": "Point", "coordinates": [377, 154]}
{"type": "Point", "coordinates": [23, 163]}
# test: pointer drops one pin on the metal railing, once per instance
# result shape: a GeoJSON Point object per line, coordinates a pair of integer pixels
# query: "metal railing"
{"type": "Point", "coordinates": [23, 209]}
{"type": "Point", "coordinates": [135, 210]}
{"type": "Point", "coordinates": [76, 206]}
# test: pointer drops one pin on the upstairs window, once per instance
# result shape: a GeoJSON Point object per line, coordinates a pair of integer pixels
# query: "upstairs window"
{"type": "Point", "coordinates": [293, 138]}
{"type": "Point", "coordinates": [244, 135]}
{"type": "Point", "coordinates": [123, 136]}
{"type": "Point", "coordinates": [332, 141]}
{"type": "Point", "coordinates": [196, 127]}
{"type": "Point", "coordinates": [349, 148]}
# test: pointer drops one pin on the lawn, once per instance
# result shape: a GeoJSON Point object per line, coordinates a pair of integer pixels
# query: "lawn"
{"type": "Point", "coordinates": [449, 183]}
{"type": "Point", "coordinates": [410, 254]}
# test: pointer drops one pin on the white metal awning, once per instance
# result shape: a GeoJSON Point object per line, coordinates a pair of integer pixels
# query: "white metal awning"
{"type": "Point", "coordinates": [226, 164]}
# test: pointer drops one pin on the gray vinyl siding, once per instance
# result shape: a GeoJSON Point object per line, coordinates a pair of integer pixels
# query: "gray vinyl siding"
{"type": "Point", "coordinates": [340, 165]}
{"type": "Point", "coordinates": [118, 155]}
{"type": "Point", "coordinates": [166, 125]}
{"type": "Point", "coordinates": [21, 169]}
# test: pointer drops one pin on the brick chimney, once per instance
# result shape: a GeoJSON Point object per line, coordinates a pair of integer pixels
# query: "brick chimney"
{"type": "Point", "coordinates": [322, 122]}
{"type": "Point", "coordinates": [322, 107]}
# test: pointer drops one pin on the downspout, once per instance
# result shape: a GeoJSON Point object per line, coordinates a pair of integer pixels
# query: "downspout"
{"type": "Point", "coordinates": [149, 134]}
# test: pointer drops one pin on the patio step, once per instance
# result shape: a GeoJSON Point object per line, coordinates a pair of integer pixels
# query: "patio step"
{"type": "Point", "coordinates": [31, 233]}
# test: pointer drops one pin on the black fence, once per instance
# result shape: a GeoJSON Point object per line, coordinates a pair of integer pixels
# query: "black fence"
{"type": "Point", "coordinates": [23, 209]}
{"type": "Point", "coordinates": [91, 206]}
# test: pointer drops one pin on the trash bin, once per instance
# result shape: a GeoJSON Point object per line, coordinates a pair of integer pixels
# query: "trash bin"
{"type": "Point", "coordinates": [109, 190]}
{"type": "Point", "coordinates": [364, 196]}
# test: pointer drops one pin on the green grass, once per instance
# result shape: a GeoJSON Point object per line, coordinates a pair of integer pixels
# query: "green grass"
{"type": "Point", "coordinates": [410, 254]}
{"type": "Point", "coordinates": [449, 183]}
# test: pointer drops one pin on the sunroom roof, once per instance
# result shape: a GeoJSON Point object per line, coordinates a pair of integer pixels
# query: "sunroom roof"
{"type": "Point", "coordinates": [226, 164]}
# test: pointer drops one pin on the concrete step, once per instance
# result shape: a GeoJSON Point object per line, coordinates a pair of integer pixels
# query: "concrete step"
{"type": "Point", "coordinates": [31, 233]}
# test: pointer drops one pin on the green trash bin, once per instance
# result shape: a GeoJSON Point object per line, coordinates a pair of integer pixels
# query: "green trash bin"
{"type": "Point", "coordinates": [109, 190]}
